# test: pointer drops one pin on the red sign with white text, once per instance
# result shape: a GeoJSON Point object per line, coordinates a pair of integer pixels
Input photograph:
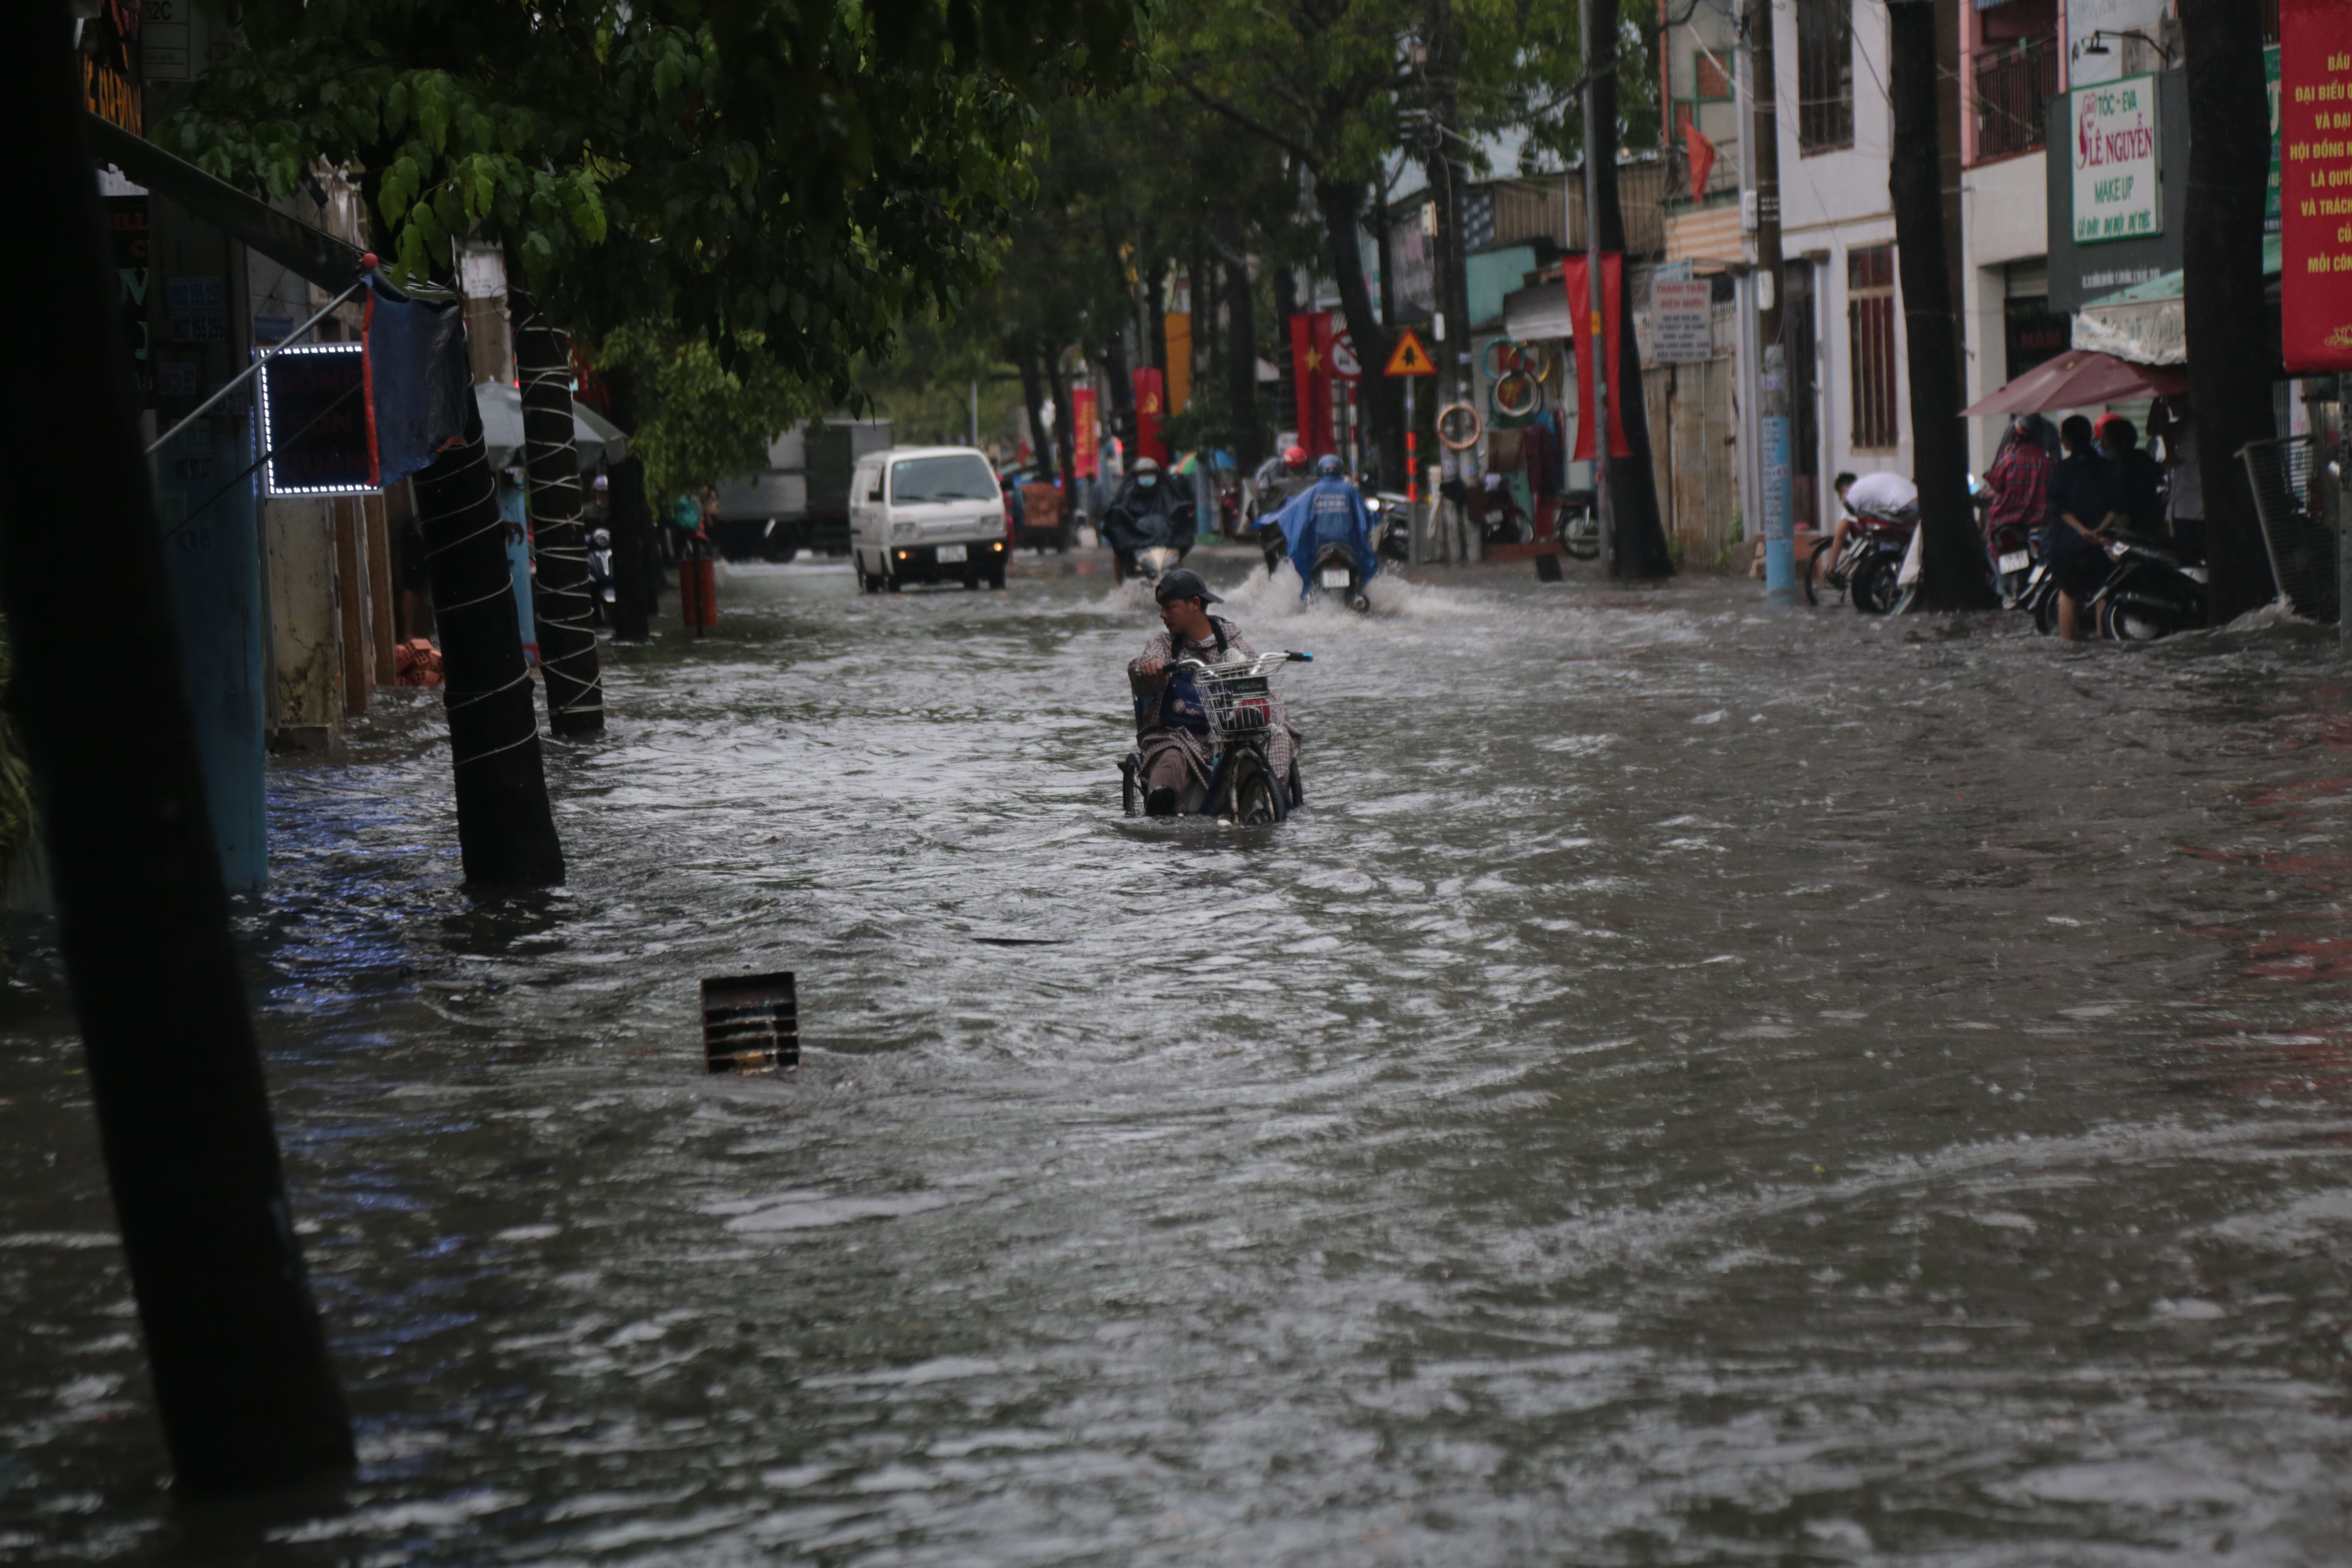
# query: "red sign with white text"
{"type": "Point", "coordinates": [2316, 184]}
{"type": "Point", "coordinates": [1086, 439]}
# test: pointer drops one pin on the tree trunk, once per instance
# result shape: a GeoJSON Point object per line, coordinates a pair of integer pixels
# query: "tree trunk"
{"type": "Point", "coordinates": [2232, 356]}
{"type": "Point", "coordinates": [1033, 398]}
{"type": "Point", "coordinates": [1451, 290]}
{"type": "Point", "coordinates": [1066, 433]}
{"type": "Point", "coordinates": [559, 595]}
{"type": "Point", "coordinates": [1155, 321]}
{"type": "Point", "coordinates": [243, 1383]}
{"type": "Point", "coordinates": [506, 833]}
{"type": "Point", "coordinates": [1341, 204]}
{"type": "Point", "coordinates": [1122, 382]}
{"type": "Point", "coordinates": [1241, 365]}
{"type": "Point", "coordinates": [1952, 569]}
{"type": "Point", "coordinates": [1632, 482]}
{"type": "Point", "coordinates": [637, 559]}
{"type": "Point", "coordinates": [1285, 306]}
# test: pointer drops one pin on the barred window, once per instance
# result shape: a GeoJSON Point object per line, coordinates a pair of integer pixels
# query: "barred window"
{"type": "Point", "coordinates": [1824, 75]}
{"type": "Point", "coordinates": [1870, 332]}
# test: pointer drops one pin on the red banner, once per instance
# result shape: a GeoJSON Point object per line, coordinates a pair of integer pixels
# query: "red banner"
{"type": "Point", "coordinates": [2316, 184]}
{"type": "Point", "coordinates": [1086, 439]}
{"type": "Point", "coordinates": [1149, 411]}
{"type": "Point", "coordinates": [1580, 301]}
{"type": "Point", "coordinates": [1310, 366]}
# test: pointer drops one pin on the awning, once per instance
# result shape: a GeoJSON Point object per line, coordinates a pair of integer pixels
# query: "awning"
{"type": "Point", "coordinates": [597, 438]}
{"type": "Point", "coordinates": [2081, 379]}
{"type": "Point", "coordinates": [2148, 322]}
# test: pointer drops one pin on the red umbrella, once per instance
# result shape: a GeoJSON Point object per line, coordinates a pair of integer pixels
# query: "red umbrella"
{"type": "Point", "coordinates": [2080, 380]}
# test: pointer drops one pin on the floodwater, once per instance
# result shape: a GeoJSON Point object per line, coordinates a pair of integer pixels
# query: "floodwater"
{"type": "Point", "coordinates": [1698, 1085]}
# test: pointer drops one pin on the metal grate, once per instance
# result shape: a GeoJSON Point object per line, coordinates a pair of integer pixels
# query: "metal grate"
{"type": "Point", "coordinates": [2302, 545]}
{"type": "Point", "coordinates": [751, 1023]}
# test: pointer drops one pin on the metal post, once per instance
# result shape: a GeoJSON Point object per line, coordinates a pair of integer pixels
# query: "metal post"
{"type": "Point", "coordinates": [1601, 367]}
{"type": "Point", "coordinates": [975, 413]}
{"type": "Point", "coordinates": [1412, 480]}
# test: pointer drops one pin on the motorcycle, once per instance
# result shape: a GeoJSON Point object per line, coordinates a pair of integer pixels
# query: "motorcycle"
{"type": "Point", "coordinates": [2151, 592]}
{"type": "Point", "coordinates": [1153, 562]}
{"type": "Point", "coordinates": [1870, 568]}
{"type": "Point", "coordinates": [601, 593]}
{"type": "Point", "coordinates": [1579, 523]}
{"type": "Point", "coordinates": [1335, 576]}
{"type": "Point", "coordinates": [1392, 526]}
{"type": "Point", "coordinates": [1245, 711]}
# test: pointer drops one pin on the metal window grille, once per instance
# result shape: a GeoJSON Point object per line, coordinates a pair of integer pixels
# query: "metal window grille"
{"type": "Point", "coordinates": [2301, 541]}
{"type": "Point", "coordinates": [1870, 332]}
{"type": "Point", "coordinates": [1824, 75]}
{"type": "Point", "coordinates": [2013, 85]}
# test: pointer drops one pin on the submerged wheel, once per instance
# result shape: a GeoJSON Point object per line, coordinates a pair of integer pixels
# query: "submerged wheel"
{"type": "Point", "coordinates": [2045, 612]}
{"type": "Point", "coordinates": [1873, 586]}
{"type": "Point", "coordinates": [1360, 603]}
{"type": "Point", "coordinates": [1256, 802]}
{"type": "Point", "coordinates": [1297, 792]}
{"type": "Point", "coordinates": [1815, 584]}
{"type": "Point", "coordinates": [996, 575]}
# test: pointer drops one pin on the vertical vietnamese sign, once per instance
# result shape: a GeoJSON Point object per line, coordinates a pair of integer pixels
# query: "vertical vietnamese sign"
{"type": "Point", "coordinates": [1087, 454]}
{"type": "Point", "coordinates": [2316, 184]}
{"type": "Point", "coordinates": [2117, 193]}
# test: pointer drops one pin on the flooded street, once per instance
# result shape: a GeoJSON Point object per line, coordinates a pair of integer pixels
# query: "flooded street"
{"type": "Point", "coordinates": [1698, 1085]}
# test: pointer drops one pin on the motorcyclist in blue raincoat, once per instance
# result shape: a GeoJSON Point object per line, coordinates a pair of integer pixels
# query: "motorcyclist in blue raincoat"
{"type": "Point", "coordinates": [1329, 512]}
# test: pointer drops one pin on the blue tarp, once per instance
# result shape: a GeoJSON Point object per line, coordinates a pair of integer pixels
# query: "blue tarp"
{"type": "Point", "coordinates": [419, 382]}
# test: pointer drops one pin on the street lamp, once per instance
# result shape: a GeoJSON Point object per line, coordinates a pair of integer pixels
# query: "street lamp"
{"type": "Point", "coordinates": [2094, 47]}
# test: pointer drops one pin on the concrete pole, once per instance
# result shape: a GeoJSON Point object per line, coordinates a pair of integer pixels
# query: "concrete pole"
{"type": "Point", "coordinates": [1762, 154]}
{"type": "Point", "coordinates": [1595, 337]}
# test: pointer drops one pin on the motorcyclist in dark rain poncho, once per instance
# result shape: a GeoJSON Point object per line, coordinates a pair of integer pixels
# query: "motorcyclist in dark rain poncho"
{"type": "Point", "coordinates": [1151, 508]}
{"type": "Point", "coordinates": [1329, 512]}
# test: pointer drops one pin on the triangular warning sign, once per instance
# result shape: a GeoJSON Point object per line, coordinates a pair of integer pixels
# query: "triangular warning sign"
{"type": "Point", "coordinates": [1411, 358]}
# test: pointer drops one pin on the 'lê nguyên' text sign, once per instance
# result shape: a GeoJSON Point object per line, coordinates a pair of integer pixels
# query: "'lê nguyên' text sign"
{"type": "Point", "coordinates": [2117, 193]}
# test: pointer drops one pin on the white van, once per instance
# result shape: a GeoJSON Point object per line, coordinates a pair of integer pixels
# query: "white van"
{"type": "Point", "coordinates": [926, 514]}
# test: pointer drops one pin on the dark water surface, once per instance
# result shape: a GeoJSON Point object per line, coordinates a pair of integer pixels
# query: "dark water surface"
{"type": "Point", "coordinates": [1698, 1086]}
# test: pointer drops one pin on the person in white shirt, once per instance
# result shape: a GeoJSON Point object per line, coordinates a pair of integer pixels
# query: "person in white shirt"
{"type": "Point", "coordinates": [1880, 495]}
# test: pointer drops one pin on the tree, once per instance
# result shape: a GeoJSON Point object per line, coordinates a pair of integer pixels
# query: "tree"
{"type": "Point", "coordinates": [1320, 82]}
{"type": "Point", "coordinates": [2230, 355]}
{"type": "Point", "coordinates": [242, 1380]}
{"type": "Point", "coordinates": [1951, 565]}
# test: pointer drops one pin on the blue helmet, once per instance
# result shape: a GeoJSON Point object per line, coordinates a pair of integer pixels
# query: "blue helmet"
{"type": "Point", "coordinates": [1328, 467]}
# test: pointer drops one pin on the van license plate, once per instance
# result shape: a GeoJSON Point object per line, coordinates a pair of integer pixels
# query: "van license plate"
{"type": "Point", "coordinates": [1335, 576]}
{"type": "Point", "coordinates": [2016, 561]}
{"type": "Point", "coordinates": [950, 554]}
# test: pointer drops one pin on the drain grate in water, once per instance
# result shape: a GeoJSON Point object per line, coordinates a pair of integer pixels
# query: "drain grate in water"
{"type": "Point", "coordinates": [751, 1023]}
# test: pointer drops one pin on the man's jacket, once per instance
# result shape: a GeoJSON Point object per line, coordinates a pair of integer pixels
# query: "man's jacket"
{"type": "Point", "coordinates": [1139, 518]}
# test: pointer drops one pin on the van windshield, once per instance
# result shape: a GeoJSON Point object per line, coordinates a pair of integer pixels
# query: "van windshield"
{"type": "Point", "coordinates": [963, 476]}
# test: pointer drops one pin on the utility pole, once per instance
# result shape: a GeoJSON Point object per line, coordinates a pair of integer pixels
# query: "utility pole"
{"type": "Point", "coordinates": [1595, 336]}
{"type": "Point", "coordinates": [1769, 371]}
{"type": "Point", "coordinates": [1451, 292]}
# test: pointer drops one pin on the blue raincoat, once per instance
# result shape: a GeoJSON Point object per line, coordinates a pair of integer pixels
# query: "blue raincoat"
{"type": "Point", "coordinates": [1329, 512]}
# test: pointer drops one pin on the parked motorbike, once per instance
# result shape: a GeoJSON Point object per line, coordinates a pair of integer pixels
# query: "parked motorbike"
{"type": "Point", "coordinates": [2151, 592]}
{"type": "Point", "coordinates": [1869, 569]}
{"type": "Point", "coordinates": [1577, 521]}
{"type": "Point", "coordinates": [601, 593]}
{"type": "Point", "coordinates": [1392, 526]}
{"type": "Point", "coordinates": [1245, 711]}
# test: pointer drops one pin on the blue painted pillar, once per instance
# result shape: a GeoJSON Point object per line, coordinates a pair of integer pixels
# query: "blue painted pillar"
{"type": "Point", "coordinates": [213, 555]}
{"type": "Point", "coordinates": [514, 507]}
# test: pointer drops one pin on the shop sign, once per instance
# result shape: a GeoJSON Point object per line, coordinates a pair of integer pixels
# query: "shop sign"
{"type": "Point", "coordinates": [2315, 185]}
{"type": "Point", "coordinates": [110, 72]}
{"type": "Point", "coordinates": [2117, 193]}
{"type": "Point", "coordinates": [1681, 319]}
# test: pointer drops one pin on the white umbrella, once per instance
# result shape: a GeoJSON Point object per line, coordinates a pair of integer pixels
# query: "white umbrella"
{"type": "Point", "coordinates": [597, 438]}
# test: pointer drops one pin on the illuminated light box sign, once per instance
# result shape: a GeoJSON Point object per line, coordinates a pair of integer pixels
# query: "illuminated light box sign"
{"type": "Point", "coordinates": [314, 421]}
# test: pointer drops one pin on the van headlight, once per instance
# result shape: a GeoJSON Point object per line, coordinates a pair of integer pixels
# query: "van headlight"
{"type": "Point", "coordinates": [904, 530]}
